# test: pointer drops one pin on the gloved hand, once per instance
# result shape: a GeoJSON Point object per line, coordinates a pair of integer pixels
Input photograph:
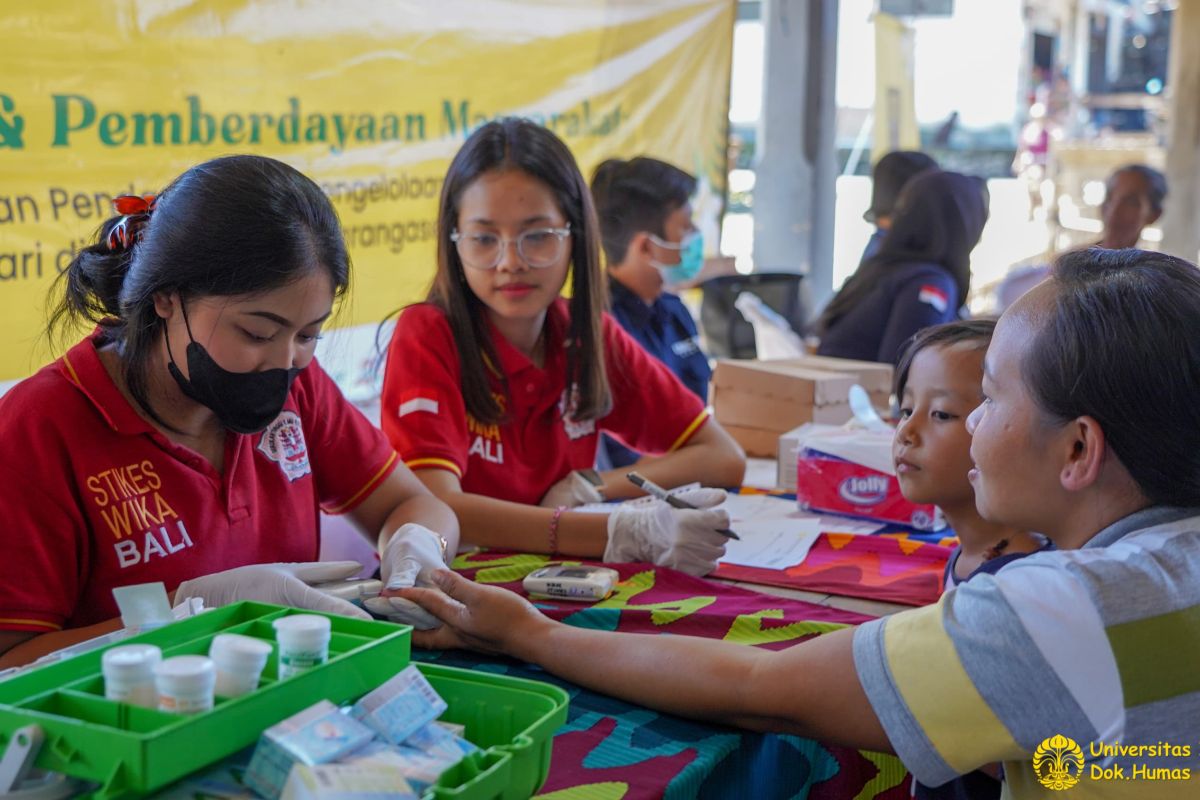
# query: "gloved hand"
{"type": "Point", "coordinates": [282, 584]}
{"type": "Point", "coordinates": [686, 540]}
{"type": "Point", "coordinates": [409, 559]}
{"type": "Point", "coordinates": [573, 490]}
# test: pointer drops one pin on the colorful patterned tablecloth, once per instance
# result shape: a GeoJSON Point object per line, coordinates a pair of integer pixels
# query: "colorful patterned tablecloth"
{"type": "Point", "coordinates": [612, 750]}
{"type": "Point", "coordinates": [894, 568]}
{"type": "Point", "coordinates": [895, 565]}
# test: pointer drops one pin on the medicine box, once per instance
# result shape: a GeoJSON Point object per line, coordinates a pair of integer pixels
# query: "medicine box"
{"type": "Point", "coordinates": [130, 751]}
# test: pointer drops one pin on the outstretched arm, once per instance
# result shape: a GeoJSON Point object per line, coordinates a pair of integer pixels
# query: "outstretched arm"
{"type": "Point", "coordinates": [811, 689]}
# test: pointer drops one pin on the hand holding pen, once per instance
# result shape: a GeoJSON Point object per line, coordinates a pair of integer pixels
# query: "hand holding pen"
{"type": "Point", "coordinates": [656, 491]}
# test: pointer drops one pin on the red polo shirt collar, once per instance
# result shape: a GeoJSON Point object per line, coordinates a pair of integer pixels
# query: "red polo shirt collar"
{"type": "Point", "coordinates": [81, 365]}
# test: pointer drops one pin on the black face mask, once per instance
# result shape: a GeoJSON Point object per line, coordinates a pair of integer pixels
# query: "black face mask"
{"type": "Point", "coordinates": [244, 402]}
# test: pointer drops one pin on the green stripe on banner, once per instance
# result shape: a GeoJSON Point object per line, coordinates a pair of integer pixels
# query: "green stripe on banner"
{"type": "Point", "coordinates": [1157, 656]}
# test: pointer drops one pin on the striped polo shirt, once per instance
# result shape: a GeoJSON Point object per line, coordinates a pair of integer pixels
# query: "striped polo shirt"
{"type": "Point", "coordinates": [1100, 645]}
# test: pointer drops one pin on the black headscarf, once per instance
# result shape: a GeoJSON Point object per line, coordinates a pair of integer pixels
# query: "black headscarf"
{"type": "Point", "coordinates": [938, 219]}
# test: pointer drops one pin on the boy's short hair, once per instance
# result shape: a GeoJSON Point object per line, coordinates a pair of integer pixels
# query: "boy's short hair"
{"type": "Point", "coordinates": [978, 331]}
{"type": "Point", "coordinates": [635, 196]}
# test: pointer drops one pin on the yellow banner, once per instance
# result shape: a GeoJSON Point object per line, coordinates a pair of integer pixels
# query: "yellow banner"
{"type": "Point", "coordinates": [371, 98]}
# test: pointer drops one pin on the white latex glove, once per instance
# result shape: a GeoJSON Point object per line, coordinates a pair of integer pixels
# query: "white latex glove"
{"type": "Point", "coordinates": [573, 490]}
{"type": "Point", "coordinates": [282, 584]}
{"type": "Point", "coordinates": [686, 540]}
{"type": "Point", "coordinates": [408, 559]}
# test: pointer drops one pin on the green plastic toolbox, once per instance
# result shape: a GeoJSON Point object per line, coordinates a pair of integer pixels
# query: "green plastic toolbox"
{"type": "Point", "coordinates": [132, 751]}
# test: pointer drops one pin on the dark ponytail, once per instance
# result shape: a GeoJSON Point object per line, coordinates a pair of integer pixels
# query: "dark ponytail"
{"type": "Point", "coordinates": [92, 282]}
{"type": "Point", "coordinates": [1122, 346]}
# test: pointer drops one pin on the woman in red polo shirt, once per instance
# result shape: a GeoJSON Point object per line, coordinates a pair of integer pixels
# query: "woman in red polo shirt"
{"type": "Point", "coordinates": [191, 439]}
{"type": "Point", "coordinates": [496, 388]}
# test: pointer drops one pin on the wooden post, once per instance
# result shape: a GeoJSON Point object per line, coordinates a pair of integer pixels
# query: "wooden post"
{"type": "Point", "coordinates": [1181, 220]}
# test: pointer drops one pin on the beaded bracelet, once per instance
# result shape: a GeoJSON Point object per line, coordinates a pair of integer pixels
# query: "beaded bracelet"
{"type": "Point", "coordinates": [554, 529]}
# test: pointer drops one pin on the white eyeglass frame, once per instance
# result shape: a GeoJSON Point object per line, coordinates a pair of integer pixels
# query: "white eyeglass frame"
{"type": "Point", "coordinates": [562, 233]}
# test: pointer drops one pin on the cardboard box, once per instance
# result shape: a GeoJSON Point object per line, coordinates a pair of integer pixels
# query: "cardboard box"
{"type": "Point", "coordinates": [873, 376]}
{"type": "Point", "coordinates": [788, 454]}
{"type": "Point", "coordinates": [757, 443]}
{"type": "Point", "coordinates": [756, 401]}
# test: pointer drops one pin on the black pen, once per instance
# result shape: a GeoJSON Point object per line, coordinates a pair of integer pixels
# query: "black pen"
{"type": "Point", "coordinates": [654, 490]}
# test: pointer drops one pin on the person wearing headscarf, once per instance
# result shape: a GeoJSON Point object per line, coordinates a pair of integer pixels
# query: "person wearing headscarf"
{"type": "Point", "coordinates": [920, 276]}
{"type": "Point", "coordinates": [890, 174]}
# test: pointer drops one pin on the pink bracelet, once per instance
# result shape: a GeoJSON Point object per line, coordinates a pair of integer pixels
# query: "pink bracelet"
{"type": "Point", "coordinates": [558, 512]}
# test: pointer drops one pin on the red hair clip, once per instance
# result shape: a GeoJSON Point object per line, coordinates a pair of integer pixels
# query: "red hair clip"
{"type": "Point", "coordinates": [135, 211]}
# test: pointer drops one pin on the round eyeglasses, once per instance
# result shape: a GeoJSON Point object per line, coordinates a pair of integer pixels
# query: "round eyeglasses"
{"type": "Point", "coordinates": [538, 247]}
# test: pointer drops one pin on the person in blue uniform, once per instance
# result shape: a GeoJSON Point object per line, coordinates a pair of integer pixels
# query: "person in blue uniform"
{"type": "Point", "coordinates": [650, 242]}
{"type": "Point", "coordinates": [888, 178]}
{"type": "Point", "coordinates": [920, 277]}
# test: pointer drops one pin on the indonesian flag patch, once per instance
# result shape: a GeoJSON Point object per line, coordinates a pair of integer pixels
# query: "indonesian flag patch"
{"type": "Point", "coordinates": [418, 400]}
{"type": "Point", "coordinates": [934, 297]}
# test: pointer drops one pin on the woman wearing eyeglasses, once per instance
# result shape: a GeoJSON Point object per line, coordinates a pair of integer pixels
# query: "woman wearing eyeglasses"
{"type": "Point", "coordinates": [497, 387]}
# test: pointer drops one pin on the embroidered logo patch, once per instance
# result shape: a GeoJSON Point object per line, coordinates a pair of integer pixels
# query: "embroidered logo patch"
{"type": "Point", "coordinates": [935, 297]}
{"type": "Point", "coordinates": [686, 348]}
{"type": "Point", "coordinates": [283, 442]}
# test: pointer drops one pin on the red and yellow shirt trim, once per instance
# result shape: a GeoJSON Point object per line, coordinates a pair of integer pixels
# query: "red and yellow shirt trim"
{"type": "Point", "coordinates": [434, 463]}
{"type": "Point", "coordinates": [689, 430]}
{"type": "Point", "coordinates": [370, 486]}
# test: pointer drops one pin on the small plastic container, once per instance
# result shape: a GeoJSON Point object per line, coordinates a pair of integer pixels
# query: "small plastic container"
{"type": "Point", "coordinates": [185, 684]}
{"type": "Point", "coordinates": [303, 643]}
{"type": "Point", "coordinates": [239, 661]}
{"type": "Point", "coordinates": [129, 674]}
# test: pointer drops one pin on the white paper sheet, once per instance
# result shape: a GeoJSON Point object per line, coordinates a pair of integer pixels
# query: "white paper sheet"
{"type": "Point", "coordinates": [771, 543]}
{"type": "Point", "coordinates": [761, 473]}
{"type": "Point", "coordinates": [834, 524]}
{"type": "Point", "coordinates": [749, 507]}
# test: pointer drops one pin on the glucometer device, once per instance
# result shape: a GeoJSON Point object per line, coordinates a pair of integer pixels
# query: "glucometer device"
{"type": "Point", "coordinates": [571, 582]}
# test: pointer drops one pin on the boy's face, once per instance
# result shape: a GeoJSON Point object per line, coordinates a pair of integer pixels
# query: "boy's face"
{"type": "Point", "coordinates": [932, 448]}
{"type": "Point", "coordinates": [637, 272]}
{"type": "Point", "coordinates": [676, 226]}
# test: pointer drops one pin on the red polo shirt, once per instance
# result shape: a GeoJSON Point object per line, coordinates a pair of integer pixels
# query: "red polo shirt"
{"type": "Point", "coordinates": [94, 497]}
{"type": "Point", "coordinates": [533, 447]}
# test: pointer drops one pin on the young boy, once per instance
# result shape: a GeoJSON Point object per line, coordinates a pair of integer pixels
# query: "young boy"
{"type": "Point", "coordinates": [650, 243]}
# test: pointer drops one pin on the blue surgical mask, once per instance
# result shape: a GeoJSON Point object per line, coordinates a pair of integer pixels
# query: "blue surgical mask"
{"type": "Point", "coordinates": [691, 258]}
